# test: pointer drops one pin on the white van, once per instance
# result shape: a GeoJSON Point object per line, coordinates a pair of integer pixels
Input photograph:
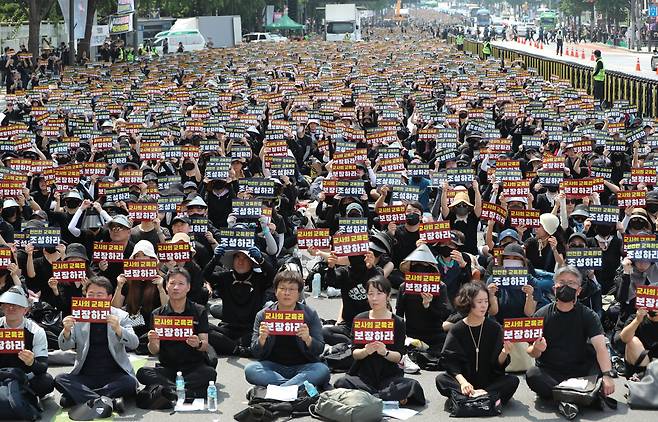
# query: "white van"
{"type": "Point", "coordinates": [192, 40]}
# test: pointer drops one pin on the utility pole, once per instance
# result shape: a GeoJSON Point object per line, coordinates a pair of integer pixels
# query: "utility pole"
{"type": "Point", "coordinates": [135, 37]}
{"type": "Point", "coordinates": [71, 32]}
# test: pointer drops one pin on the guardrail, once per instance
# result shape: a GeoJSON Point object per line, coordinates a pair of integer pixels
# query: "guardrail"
{"type": "Point", "coordinates": [640, 92]}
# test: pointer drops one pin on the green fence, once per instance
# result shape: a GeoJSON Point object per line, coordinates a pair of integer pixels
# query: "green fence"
{"type": "Point", "coordinates": [640, 92]}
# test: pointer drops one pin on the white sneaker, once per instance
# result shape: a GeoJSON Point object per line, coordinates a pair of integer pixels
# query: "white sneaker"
{"type": "Point", "coordinates": [408, 365]}
{"type": "Point", "coordinates": [332, 292]}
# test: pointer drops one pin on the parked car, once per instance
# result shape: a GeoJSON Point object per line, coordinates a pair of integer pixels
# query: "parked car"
{"type": "Point", "coordinates": [192, 40]}
{"type": "Point", "coordinates": [263, 37]}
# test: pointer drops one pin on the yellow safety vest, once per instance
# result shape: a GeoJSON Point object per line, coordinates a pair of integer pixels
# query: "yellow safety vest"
{"type": "Point", "coordinates": [601, 75]}
{"type": "Point", "coordinates": [460, 40]}
{"type": "Point", "coordinates": [486, 49]}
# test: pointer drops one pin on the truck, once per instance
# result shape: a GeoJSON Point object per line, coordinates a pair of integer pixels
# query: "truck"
{"type": "Point", "coordinates": [547, 19]}
{"type": "Point", "coordinates": [483, 18]}
{"type": "Point", "coordinates": [218, 31]}
{"type": "Point", "coordinates": [342, 22]}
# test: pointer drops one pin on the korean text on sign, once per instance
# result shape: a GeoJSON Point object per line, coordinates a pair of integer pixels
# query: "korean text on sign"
{"type": "Point", "coordinates": [370, 330]}
{"type": "Point", "coordinates": [140, 269]}
{"type": "Point", "coordinates": [90, 310]}
{"type": "Point", "coordinates": [351, 244]}
{"type": "Point", "coordinates": [394, 213]}
{"type": "Point", "coordinates": [69, 271]}
{"type": "Point", "coordinates": [313, 238]}
{"type": "Point", "coordinates": [435, 232]}
{"type": "Point", "coordinates": [528, 218]}
{"type": "Point", "coordinates": [587, 258]}
{"type": "Point", "coordinates": [108, 251]}
{"type": "Point", "coordinates": [646, 298]}
{"type": "Point", "coordinates": [173, 328]}
{"type": "Point", "coordinates": [417, 283]}
{"type": "Point", "coordinates": [5, 257]}
{"type": "Point", "coordinates": [179, 252]}
{"type": "Point", "coordinates": [12, 340]}
{"type": "Point", "coordinates": [522, 329]}
{"type": "Point", "coordinates": [284, 323]}
{"type": "Point", "coordinates": [510, 277]}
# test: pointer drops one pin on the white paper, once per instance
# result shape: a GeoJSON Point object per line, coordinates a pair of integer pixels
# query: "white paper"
{"type": "Point", "coordinates": [401, 413]}
{"type": "Point", "coordinates": [276, 392]}
{"type": "Point", "coordinates": [577, 383]}
{"type": "Point", "coordinates": [197, 404]}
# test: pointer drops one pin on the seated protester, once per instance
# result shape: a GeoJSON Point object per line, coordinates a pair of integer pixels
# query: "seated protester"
{"type": "Point", "coordinates": [140, 297]}
{"type": "Point", "coordinates": [10, 277]}
{"type": "Point", "coordinates": [33, 359]}
{"type": "Point", "coordinates": [590, 294]}
{"type": "Point", "coordinates": [463, 215]}
{"type": "Point", "coordinates": [243, 289]}
{"type": "Point", "coordinates": [149, 230]}
{"type": "Point", "coordinates": [505, 238]}
{"type": "Point", "coordinates": [118, 231]}
{"type": "Point", "coordinates": [404, 237]}
{"type": "Point", "coordinates": [200, 291]}
{"type": "Point", "coordinates": [424, 313]}
{"type": "Point", "coordinates": [102, 366]}
{"type": "Point", "coordinates": [611, 244]}
{"type": "Point", "coordinates": [189, 356]}
{"type": "Point", "coordinates": [376, 365]}
{"type": "Point", "coordinates": [288, 359]}
{"type": "Point", "coordinates": [39, 270]}
{"type": "Point", "coordinates": [454, 265]}
{"type": "Point", "coordinates": [474, 354]}
{"type": "Point", "coordinates": [62, 289]}
{"type": "Point", "coordinates": [181, 224]}
{"type": "Point", "coordinates": [564, 351]}
{"type": "Point", "coordinates": [90, 230]}
{"type": "Point", "coordinates": [546, 248]}
{"type": "Point", "coordinates": [640, 337]}
{"type": "Point", "coordinates": [352, 282]}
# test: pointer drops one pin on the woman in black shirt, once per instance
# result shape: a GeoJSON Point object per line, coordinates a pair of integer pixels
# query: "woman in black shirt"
{"type": "Point", "coordinates": [375, 368]}
{"type": "Point", "coordinates": [474, 354]}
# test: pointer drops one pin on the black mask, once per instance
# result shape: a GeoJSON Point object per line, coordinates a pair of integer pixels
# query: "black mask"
{"type": "Point", "coordinates": [357, 263]}
{"type": "Point", "coordinates": [565, 294]}
{"type": "Point", "coordinates": [637, 224]}
{"type": "Point", "coordinates": [413, 219]}
{"type": "Point", "coordinates": [463, 115]}
{"type": "Point", "coordinates": [652, 208]}
{"type": "Point", "coordinates": [421, 267]}
{"type": "Point", "coordinates": [50, 249]}
{"type": "Point", "coordinates": [603, 230]}
{"type": "Point", "coordinates": [445, 251]}
{"type": "Point", "coordinates": [552, 189]}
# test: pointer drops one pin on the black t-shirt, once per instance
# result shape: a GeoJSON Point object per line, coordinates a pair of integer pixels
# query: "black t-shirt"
{"type": "Point", "coordinates": [647, 332]}
{"type": "Point", "coordinates": [567, 335]}
{"type": "Point", "coordinates": [405, 243]}
{"type": "Point", "coordinates": [286, 352]}
{"type": "Point", "coordinates": [177, 354]}
{"type": "Point", "coordinates": [470, 230]}
{"type": "Point", "coordinates": [99, 361]}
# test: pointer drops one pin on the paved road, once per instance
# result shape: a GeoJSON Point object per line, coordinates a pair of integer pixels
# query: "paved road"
{"type": "Point", "coordinates": [617, 59]}
{"type": "Point", "coordinates": [232, 389]}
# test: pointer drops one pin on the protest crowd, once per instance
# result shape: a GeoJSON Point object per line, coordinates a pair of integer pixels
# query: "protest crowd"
{"type": "Point", "coordinates": [471, 218]}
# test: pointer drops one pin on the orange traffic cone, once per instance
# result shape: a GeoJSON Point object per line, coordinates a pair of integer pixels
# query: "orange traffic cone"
{"type": "Point", "coordinates": [592, 58]}
{"type": "Point", "coordinates": [656, 70]}
{"type": "Point", "coordinates": [541, 45]}
{"type": "Point", "coordinates": [637, 65]}
{"type": "Point", "coordinates": [582, 54]}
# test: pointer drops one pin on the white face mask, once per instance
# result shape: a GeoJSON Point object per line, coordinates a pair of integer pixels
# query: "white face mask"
{"type": "Point", "coordinates": [512, 263]}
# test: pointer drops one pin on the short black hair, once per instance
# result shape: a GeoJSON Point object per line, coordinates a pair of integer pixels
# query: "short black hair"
{"type": "Point", "coordinates": [182, 271]}
{"type": "Point", "coordinates": [288, 276]}
{"type": "Point", "coordinates": [466, 296]}
{"type": "Point", "coordinates": [416, 205]}
{"type": "Point", "coordinates": [103, 282]}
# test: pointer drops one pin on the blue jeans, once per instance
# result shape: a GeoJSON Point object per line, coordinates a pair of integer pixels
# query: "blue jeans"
{"type": "Point", "coordinates": [267, 372]}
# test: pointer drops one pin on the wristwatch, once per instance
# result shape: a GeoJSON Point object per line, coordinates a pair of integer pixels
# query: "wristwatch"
{"type": "Point", "coordinates": [387, 352]}
{"type": "Point", "coordinates": [607, 374]}
{"type": "Point", "coordinates": [200, 345]}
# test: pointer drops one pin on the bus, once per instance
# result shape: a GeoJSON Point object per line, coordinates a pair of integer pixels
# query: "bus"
{"type": "Point", "coordinates": [547, 20]}
{"type": "Point", "coordinates": [483, 18]}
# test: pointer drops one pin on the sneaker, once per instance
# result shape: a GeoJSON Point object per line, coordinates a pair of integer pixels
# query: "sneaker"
{"type": "Point", "coordinates": [568, 410]}
{"type": "Point", "coordinates": [243, 352]}
{"type": "Point", "coordinates": [408, 365]}
{"type": "Point", "coordinates": [118, 405]}
{"type": "Point", "coordinates": [66, 402]}
{"type": "Point", "coordinates": [332, 292]}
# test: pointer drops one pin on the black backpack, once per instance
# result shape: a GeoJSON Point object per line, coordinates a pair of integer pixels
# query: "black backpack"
{"type": "Point", "coordinates": [17, 400]}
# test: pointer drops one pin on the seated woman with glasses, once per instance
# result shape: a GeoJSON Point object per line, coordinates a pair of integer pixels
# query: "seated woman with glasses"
{"type": "Point", "coordinates": [287, 339]}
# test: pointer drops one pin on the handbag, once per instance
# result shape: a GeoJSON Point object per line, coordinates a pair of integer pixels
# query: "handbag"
{"type": "Point", "coordinates": [344, 405]}
{"type": "Point", "coordinates": [583, 395]}
{"type": "Point", "coordinates": [644, 393]}
{"type": "Point", "coordinates": [461, 406]}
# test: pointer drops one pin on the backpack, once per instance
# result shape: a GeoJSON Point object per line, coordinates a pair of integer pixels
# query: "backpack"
{"type": "Point", "coordinates": [585, 396]}
{"type": "Point", "coordinates": [261, 409]}
{"type": "Point", "coordinates": [339, 357]}
{"type": "Point", "coordinates": [17, 400]}
{"type": "Point", "coordinates": [644, 393]}
{"type": "Point", "coordinates": [461, 406]}
{"type": "Point", "coordinates": [157, 397]}
{"type": "Point", "coordinates": [343, 405]}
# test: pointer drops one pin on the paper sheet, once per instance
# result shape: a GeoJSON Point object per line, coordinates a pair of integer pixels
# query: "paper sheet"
{"type": "Point", "coordinates": [276, 392]}
{"type": "Point", "coordinates": [578, 383]}
{"type": "Point", "coordinates": [401, 413]}
{"type": "Point", "coordinates": [197, 404]}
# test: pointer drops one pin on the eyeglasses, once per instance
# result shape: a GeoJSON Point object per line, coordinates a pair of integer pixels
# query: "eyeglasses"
{"type": "Point", "coordinates": [573, 284]}
{"type": "Point", "coordinates": [118, 228]}
{"type": "Point", "coordinates": [287, 289]}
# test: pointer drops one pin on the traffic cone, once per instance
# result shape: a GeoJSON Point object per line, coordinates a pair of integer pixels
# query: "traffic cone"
{"type": "Point", "coordinates": [592, 58]}
{"type": "Point", "coordinates": [541, 45]}
{"type": "Point", "coordinates": [582, 54]}
{"type": "Point", "coordinates": [657, 70]}
{"type": "Point", "coordinates": [637, 65]}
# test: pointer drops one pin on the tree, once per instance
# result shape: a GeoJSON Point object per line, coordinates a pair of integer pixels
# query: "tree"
{"type": "Point", "coordinates": [37, 11]}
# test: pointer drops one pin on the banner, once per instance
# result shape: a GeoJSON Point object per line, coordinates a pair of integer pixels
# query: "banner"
{"type": "Point", "coordinates": [352, 225]}
{"type": "Point", "coordinates": [79, 16]}
{"type": "Point", "coordinates": [99, 33]}
{"type": "Point", "coordinates": [646, 298]}
{"type": "Point", "coordinates": [435, 232]}
{"type": "Point", "coordinates": [142, 211]}
{"type": "Point", "coordinates": [284, 323]}
{"type": "Point", "coordinates": [604, 214]}
{"type": "Point", "coordinates": [417, 283]}
{"type": "Point", "coordinates": [251, 209]}
{"type": "Point", "coordinates": [528, 218]}
{"type": "Point", "coordinates": [236, 239]}
{"type": "Point", "coordinates": [644, 251]}
{"type": "Point", "coordinates": [392, 214]}
{"type": "Point", "coordinates": [90, 310]}
{"type": "Point", "coordinates": [5, 257]}
{"type": "Point", "coordinates": [173, 328]}
{"type": "Point", "coordinates": [179, 252]}
{"type": "Point", "coordinates": [370, 330]}
{"type": "Point", "coordinates": [519, 330]}
{"type": "Point", "coordinates": [69, 271]}
{"type": "Point", "coordinates": [12, 340]}
{"type": "Point", "coordinates": [108, 251]}
{"type": "Point", "coordinates": [140, 269]}
{"type": "Point", "coordinates": [121, 24]}
{"type": "Point", "coordinates": [631, 198]}
{"type": "Point", "coordinates": [585, 258]}
{"type": "Point", "coordinates": [493, 212]}
{"type": "Point", "coordinates": [510, 277]}
{"type": "Point", "coordinates": [313, 238]}
{"type": "Point", "coordinates": [351, 244]}
{"type": "Point", "coordinates": [125, 6]}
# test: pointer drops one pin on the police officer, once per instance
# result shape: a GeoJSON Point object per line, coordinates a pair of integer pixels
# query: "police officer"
{"type": "Point", "coordinates": [486, 48]}
{"type": "Point", "coordinates": [599, 78]}
{"type": "Point", "coordinates": [459, 41]}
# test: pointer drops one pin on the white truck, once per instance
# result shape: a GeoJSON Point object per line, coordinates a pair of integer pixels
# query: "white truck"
{"type": "Point", "coordinates": [342, 22]}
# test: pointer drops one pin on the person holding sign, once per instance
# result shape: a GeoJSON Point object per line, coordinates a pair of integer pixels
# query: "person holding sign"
{"type": "Point", "coordinates": [70, 286]}
{"type": "Point", "coordinates": [635, 273]}
{"type": "Point", "coordinates": [288, 349]}
{"type": "Point", "coordinates": [32, 357]}
{"type": "Point", "coordinates": [463, 215]}
{"type": "Point", "coordinates": [546, 249]}
{"type": "Point", "coordinates": [376, 363]}
{"type": "Point", "coordinates": [187, 355]}
{"type": "Point", "coordinates": [405, 237]}
{"type": "Point", "coordinates": [474, 354]}
{"type": "Point", "coordinates": [564, 352]}
{"type": "Point", "coordinates": [102, 366]}
{"type": "Point", "coordinates": [640, 337]}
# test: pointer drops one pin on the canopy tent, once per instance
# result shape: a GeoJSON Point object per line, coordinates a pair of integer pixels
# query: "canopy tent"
{"type": "Point", "coordinates": [285, 23]}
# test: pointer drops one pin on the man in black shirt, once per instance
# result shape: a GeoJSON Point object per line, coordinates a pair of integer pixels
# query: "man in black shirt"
{"type": "Point", "coordinates": [640, 336]}
{"type": "Point", "coordinates": [563, 352]}
{"type": "Point", "coordinates": [189, 356]}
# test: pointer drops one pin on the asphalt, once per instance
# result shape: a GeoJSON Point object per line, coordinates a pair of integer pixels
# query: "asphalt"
{"type": "Point", "coordinates": [232, 388]}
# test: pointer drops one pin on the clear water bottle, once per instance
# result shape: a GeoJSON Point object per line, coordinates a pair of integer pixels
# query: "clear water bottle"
{"type": "Point", "coordinates": [316, 285]}
{"type": "Point", "coordinates": [212, 396]}
{"type": "Point", "coordinates": [180, 386]}
{"type": "Point", "coordinates": [310, 389]}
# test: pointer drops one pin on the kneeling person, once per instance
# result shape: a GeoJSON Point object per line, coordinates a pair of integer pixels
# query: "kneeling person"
{"type": "Point", "coordinates": [102, 366]}
{"type": "Point", "coordinates": [287, 359]}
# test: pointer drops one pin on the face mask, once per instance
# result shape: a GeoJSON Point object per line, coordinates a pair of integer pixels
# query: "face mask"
{"type": "Point", "coordinates": [461, 211]}
{"type": "Point", "coordinates": [512, 263]}
{"type": "Point", "coordinates": [637, 224]}
{"type": "Point", "coordinates": [445, 251]}
{"type": "Point", "coordinates": [552, 189]}
{"type": "Point", "coordinates": [578, 227]}
{"type": "Point", "coordinates": [602, 230]}
{"type": "Point", "coordinates": [413, 219]}
{"type": "Point", "coordinates": [565, 294]}
{"type": "Point", "coordinates": [188, 166]}
{"type": "Point", "coordinates": [463, 115]}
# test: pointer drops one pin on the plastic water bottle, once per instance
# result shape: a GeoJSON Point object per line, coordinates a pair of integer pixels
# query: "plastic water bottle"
{"type": "Point", "coordinates": [310, 389]}
{"type": "Point", "coordinates": [212, 396]}
{"type": "Point", "coordinates": [316, 285]}
{"type": "Point", "coordinates": [180, 386]}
